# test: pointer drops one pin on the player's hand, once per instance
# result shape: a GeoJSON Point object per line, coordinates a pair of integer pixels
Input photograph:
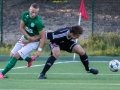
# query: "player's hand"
{"type": "Point", "coordinates": [38, 53]}
{"type": "Point", "coordinates": [33, 38]}
{"type": "Point", "coordinates": [25, 41]}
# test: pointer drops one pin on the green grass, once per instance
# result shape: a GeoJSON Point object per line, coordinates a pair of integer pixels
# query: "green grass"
{"type": "Point", "coordinates": [62, 76]}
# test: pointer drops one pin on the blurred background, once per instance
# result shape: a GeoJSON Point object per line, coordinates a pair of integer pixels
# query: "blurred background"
{"type": "Point", "coordinates": [103, 16]}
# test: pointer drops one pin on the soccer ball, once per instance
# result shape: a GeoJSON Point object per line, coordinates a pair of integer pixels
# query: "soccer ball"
{"type": "Point", "coordinates": [114, 65]}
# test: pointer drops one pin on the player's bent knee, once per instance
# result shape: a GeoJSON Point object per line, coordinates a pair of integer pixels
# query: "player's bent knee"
{"type": "Point", "coordinates": [56, 55]}
{"type": "Point", "coordinates": [11, 54]}
{"type": "Point", "coordinates": [17, 56]}
{"type": "Point", "coordinates": [80, 53]}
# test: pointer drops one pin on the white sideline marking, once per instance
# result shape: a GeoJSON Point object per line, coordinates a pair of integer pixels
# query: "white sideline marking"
{"type": "Point", "coordinates": [42, 64]}
{"type": "Point", "coordinates": [54, 63]}
{"type": "Point", "coordinates": [60, 73]}
{"type": "Point", "coordinates": [68, 74]}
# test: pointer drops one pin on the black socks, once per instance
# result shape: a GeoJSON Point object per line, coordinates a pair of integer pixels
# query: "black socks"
{"type": "Point", "coordinates": [84, 60]}
{"type": "Point", "coordinates": [48, 64]}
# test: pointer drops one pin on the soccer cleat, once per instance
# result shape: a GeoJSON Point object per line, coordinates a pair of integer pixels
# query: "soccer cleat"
{"type": "Point", "coordinates": [1, 76]}
{"type": "Point", "coordinates": [41, 76]}
{"type": "Point", "coordinates": [93, 71]}
{"type": "Point", "coordinates": [30, 63]}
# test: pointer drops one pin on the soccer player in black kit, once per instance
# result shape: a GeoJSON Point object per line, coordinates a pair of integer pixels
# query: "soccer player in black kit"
{"type": "Point", "coordinates": [63, 39]}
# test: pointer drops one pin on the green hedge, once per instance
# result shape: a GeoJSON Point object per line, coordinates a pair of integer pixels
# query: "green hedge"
{"type": "Point", "coordinates": [107, 44]}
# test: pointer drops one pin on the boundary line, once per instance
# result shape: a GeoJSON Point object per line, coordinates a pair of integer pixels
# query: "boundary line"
{"type": "Point", "coordinates": [62, 73]}
{"type": "Point", "coordinates": [69, 74]}
{"type": "Point", "coordinates": [54, 63]}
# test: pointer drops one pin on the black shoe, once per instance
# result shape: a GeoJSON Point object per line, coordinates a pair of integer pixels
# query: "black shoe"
{"type": "Point", "coordinates": [41, 76]}
{"type": "Point", "coordinates": [93, 71]}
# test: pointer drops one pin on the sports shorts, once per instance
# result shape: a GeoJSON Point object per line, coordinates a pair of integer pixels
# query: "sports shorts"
{"type": "Point", "coordinates": [63, 46]}
{"type": "Point", "coordinates": [24, 50]}
{"type": "Point", "coordinates": [18, 45]}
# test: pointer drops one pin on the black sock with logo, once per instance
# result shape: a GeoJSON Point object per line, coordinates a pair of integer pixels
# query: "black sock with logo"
{"type": "Point", "coordinates": [84, 60]}
{"type": "Point", "coordinates": [48, 64]}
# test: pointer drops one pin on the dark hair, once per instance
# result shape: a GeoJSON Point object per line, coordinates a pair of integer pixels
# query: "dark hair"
{"type": "Point", "coordinates": [35, 5]}
{"type": "Point", "coordinates": [76, 30]}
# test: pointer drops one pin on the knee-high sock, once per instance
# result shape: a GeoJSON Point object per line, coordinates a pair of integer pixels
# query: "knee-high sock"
{"type": "Point", "coordinates": [26, 59]}
{"type": "Point", "coordinates": [9, 65]}
{"type": "Point", "coordinates": [84, 60]}
{"type": "Point", "coordinates": [48, 64]}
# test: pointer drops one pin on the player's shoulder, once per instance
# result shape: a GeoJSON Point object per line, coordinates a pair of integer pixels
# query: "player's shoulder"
{"type": "Point", "coordinates": [38, 20]}
{"type": "Point", "coordinates": [38, 17]}
{"type": "Point", "coordinates": [64, 28]}
{"type": "Point", "coordinates": [25, 12]}
{"type": "Point", "coordinates": [67, 28]}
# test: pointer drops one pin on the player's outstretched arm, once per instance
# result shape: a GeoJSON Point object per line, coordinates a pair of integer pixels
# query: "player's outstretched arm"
{"type": "Point", "coordinates": [42, 42]}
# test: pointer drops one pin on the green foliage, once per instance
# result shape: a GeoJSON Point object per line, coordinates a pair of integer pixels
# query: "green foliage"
{"type": "Point", "coordinates": [5, 49]}
{"type": "Point", "coordinates": [107, 44]}
{"type": "Point", "coordinates": [102, 44]}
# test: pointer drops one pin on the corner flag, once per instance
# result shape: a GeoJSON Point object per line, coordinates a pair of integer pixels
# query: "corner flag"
{"type": "Point", "coordinates": [82, 13]}
{"type": "Point", "coordinates": [82, 10]}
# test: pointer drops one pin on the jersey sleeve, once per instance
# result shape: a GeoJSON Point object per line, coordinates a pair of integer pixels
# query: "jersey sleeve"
{"type": "Point", "coordinates": [40, 25]}
{"type": "Point", "coordinates": [23, 16]}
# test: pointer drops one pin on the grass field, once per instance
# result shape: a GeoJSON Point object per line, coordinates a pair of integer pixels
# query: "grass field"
{"type": "Point", "coordinates": [64, 75]}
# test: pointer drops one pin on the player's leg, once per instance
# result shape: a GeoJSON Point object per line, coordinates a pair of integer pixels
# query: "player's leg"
{"type": "Point", "coordinates": [24, 52]}
{"type": "Point", "coordinates": [74, 48]}
{"type": "Point", "coordinates": [9, 66]}
{"type": "Point", "coordinates": [29, 59]}
{"type": "Point", "coordinates": [17, 47]}
{"type": "Point", "coordinates": [84, 58]}
{"type": "Point", "coordinates": [13, 60]}
{"type": "Point", "coordinates": [55, 54]}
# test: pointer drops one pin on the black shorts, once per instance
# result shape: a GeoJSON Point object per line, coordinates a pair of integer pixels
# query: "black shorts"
{"type": "Point", "coordinates": [63, 46]}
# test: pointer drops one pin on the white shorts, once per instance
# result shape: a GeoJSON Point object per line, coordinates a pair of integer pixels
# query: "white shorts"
{"type": "Point", "coordinates": [24, 51]}
{"type": "Point", "coordinates": [27, 49]}
{"type": "Point", "coordinates": [17, 46]}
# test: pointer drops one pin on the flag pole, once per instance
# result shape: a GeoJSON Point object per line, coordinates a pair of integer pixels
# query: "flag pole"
{"type": "Point", "coordinates": [79, 18]}
{"type": "Point", "coordinates": [82, 14]}
{"type": "Point", "coordinates": [77, 39]}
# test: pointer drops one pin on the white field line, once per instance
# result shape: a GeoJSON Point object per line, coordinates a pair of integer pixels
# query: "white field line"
{"type": "Point", "coordinates": [40, 65]}
{"type": "Point", "coordinates": [60, 73]}
{"type": "Point", "coordinates": [68, 74]}
{"type": "Point", "coordinates": [16, 89]}
{"type": "Point", "coordinates": [54, 63]}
